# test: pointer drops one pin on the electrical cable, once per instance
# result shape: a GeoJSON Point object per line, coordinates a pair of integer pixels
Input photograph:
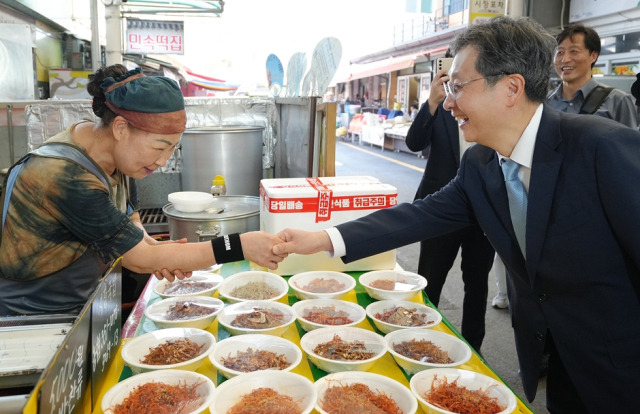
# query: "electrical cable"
{"type": "Point", "coordinates": [562, 16]}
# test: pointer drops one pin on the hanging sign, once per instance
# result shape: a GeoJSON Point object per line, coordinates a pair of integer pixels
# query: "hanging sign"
{"type": "Point", "coordinates": [480, 10]}
{"type": "Point", "coordinates": [155, 37]}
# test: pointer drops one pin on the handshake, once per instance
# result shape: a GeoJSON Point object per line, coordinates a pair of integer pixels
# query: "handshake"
{"type": "Point", "coordinates": [268, 250]}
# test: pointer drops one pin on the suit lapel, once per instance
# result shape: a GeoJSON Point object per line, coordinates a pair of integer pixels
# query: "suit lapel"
{"type": "Point", "coordinates": [544, 174]}
{"type": "Point", "coordinates": [497, 193]}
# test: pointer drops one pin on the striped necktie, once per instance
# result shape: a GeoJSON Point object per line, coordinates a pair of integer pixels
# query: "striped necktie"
{"type": "Point", "coordinates": [517, 201]}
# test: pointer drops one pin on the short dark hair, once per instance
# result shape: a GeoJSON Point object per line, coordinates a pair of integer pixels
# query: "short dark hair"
{"type": "Point", "coordinates": [591, 37]}
{"type": "Point", "coordinates": [507, 45]}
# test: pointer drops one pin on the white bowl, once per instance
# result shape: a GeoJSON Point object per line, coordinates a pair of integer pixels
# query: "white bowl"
{"type": "Point", "coordinates": [198, 276]}
{"type": "Point", "coordinates": [372, 341]}
{"type": "Point", "coordinates": [157, 312]}
{"type": "Point", "coordinates": [296, 386]}
{"type": "Point", "coordinates": [458, 351]}
{"type": "Point", "coordinates": [376, 383]}
{"type": "Point", "coordinates": [385, 327]}
{"type": "Point", "coordinates": [229, 348]}
{"type": "Point", "coordinates": [230, 312]}
{"type": "Point", "coordinates": [297, 282]}
{"type": "Point", "coordinates": [134, 351]}
{"type": "Point", "coordinates": [190, 201]}
{"type": "Point", "coordinates": [119, 392]}
{"type": "Point", "coordinates": [355, 311]}
{"type": "Point", "coordinates": [242, 278]}
{"type": "Point", "coordinates": [407, 286]}
{"type": "Point", "coordinates": [421, 384]}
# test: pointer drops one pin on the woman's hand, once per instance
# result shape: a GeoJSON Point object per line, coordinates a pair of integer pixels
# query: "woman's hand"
{"type": "Point", "coordinates": [257, 245]}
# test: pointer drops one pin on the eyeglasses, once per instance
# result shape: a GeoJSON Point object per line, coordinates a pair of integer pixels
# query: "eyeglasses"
{"type": "Point", "coordinates": [452, 90]}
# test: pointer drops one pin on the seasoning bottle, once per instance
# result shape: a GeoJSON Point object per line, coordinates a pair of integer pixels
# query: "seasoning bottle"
{"type": "Point", "coordinates": [217, 186]}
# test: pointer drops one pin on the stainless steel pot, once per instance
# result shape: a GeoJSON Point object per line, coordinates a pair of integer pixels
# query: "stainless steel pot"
{"type": "Point", "coordinates": [234, 152]}
{"type": "Point", "coordinates": [225, 215]}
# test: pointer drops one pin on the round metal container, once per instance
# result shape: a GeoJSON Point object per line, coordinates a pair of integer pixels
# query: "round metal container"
{"type": "Point", "coordinates": [225, 215]}
{"type": "Point", "coordinates": [234, 152]}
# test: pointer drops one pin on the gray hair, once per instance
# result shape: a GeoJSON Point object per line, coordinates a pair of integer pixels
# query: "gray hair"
{"type": "Point", "coordinates": [508, 45]}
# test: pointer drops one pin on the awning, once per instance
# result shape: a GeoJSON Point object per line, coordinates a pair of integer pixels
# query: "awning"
{"type": "Point", "coordinates": [380, 67]}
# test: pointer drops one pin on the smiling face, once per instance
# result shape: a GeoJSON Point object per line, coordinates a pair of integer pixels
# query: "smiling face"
{"type": "Point", "coordinates": [477, 105]}
{"type": "Point", "coordinates": [573, 60]}
{"type": "Point", "coordinates": [139, 153]}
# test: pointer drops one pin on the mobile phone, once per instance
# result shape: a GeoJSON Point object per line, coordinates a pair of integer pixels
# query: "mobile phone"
{"type": "Point", "coordinates": [444, 63]}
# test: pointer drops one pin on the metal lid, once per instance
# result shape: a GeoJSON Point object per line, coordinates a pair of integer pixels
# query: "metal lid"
{"type": "Point", "coordinates": [220, 209]}
{"type": "Point", "coordinates": [223, 128]}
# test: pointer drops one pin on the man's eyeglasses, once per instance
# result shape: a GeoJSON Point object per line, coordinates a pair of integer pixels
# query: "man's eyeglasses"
{"type": "Point", "coordinates": [452, 90]}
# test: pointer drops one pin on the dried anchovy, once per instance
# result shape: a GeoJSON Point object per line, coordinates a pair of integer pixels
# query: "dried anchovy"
{"type": "Point", "coordinates": [186, 287]}
{"type": "Point", "coordinates": [265, 401]}
{"type": "Point", "coordinates": [403, 317]}
{"type": "Point", "coordinates": [188, 310]}
{"type": "Point", "coordinates": [251, 360]}
{"type": "Point", "coordinates": [326, 315]}
{"type": "Point", "coordinates": [255, 291]}
{"type": "Point", "coordinates": [337, 349]}
{"type": "Point", "coordinates": [172, 351]}
{"type": "Point", "coordinates": [423, 351]}
{"type": "Point", "coordinates": [385, 284]}
{"type": "Point", "coordinates": [259, 319]}
{"type": "Point", "coordinates": [319, 285]}
{"type": "Point", "coordinates": [358, 398]}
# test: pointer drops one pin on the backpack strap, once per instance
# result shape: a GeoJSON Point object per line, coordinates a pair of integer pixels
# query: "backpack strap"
{"type": "Point", "coordinates": [595, 99]}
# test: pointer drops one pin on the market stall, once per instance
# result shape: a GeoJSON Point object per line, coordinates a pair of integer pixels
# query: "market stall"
{"type": "Point", "coordinates": [138, 324]}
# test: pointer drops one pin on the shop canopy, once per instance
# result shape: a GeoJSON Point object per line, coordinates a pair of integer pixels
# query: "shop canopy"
{"type": "Point", "coordinates": [379, 67]}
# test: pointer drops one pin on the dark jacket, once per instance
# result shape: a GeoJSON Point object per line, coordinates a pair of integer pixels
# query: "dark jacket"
{"type": "Point", "coordinates": [581, 279]}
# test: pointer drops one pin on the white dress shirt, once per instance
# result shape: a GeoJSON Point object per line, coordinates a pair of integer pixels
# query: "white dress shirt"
{"type": "Point", "coordinates": [522, 154]}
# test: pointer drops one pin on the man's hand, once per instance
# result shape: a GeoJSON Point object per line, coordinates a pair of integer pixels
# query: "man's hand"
{"type": "Point", "coordinates": [257, 247]}
{"type": "Point", "coordinates": [436, 94]}
{"type": "Point", "coordinates": [302, 242]}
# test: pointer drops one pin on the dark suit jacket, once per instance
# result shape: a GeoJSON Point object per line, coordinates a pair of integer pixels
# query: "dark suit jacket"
{"type": "Point", "coordinates": [581, 279]}
{"type": "Point", "coordinates": [440, 132]}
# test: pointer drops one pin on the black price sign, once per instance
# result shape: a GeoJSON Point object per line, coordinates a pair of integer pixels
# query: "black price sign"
{"type": "Point", "coordinates": [106, 318]}
{"type": "Point", "coordinates": [65, 384]}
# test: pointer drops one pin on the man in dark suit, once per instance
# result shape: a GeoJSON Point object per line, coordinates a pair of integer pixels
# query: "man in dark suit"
{"type": "Point", "coordinates": [564, 221]}
{"type": "Point", "coordinates": [435, 128]}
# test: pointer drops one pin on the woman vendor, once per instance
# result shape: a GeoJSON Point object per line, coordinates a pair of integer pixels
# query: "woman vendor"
{"type": "Point", "coordinates": [69, 207]}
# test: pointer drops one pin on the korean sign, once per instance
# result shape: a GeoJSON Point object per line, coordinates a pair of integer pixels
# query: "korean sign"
{"type": "Point", "coordinates": [480, 10]}
{"type": "Point", "coordinates": [155, 37]}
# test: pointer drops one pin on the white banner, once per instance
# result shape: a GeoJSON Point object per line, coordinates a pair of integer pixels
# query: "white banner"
{"type": "Point", "coordinates": [160, 37]}
{"type": "Point", "coordinates": [588, 9]}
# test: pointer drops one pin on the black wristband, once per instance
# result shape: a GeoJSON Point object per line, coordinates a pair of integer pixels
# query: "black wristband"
{"type": "Point", "coordinates": [227, 248]}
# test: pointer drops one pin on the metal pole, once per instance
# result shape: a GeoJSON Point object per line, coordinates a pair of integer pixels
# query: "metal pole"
{"type": "Point", "coordinates": [10, 131]}
{"type": "Point", "coordinates": [95, 37]}
{"type": "Point", "coordinates": [114, 32]}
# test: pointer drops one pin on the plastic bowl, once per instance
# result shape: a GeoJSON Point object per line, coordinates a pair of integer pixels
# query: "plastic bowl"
{"type": "Point", "coordinates": [296, 386]}
{"type": "Point", "coordinates": [385, 327]}
{"type": "Point", "coordinates": [421, 384]}
{"type": "Point", "coordinates": [229, 348]}
{"type": "Point", "coordinates": [458, 351]}
{"type": "Point", "coordinates": [157, 312]}
{"type": "Point", "coordinates": [119, 392]}
{"type": "Point", "coordinates": [134, 351]}
{"type": "Point", "coordinates": [190, 201]}
{"type": "Point", "coordinates": [297, 282]}
{"type": "Point", "coordinates": [407, 285]}
{"type": "Point", "coordinates": [206, 277]}
{"type": "Point", "coordinates": [376, 383]}
{"type": "Point", "coordinates": [242, 278]}
{"type": "Point", "coordinates": [372, 341]}
{"type": "Point", "coordinates": [355, 311]}
{"type": "Point", "coordinates": [230, 312]}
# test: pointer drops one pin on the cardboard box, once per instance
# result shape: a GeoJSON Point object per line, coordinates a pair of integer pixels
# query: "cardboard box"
{"type": "Point", "coordinates": [314, 204]}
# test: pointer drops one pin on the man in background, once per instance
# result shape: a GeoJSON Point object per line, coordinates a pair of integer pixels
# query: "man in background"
{"type": "Point", "coordinates": [577, 52]}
